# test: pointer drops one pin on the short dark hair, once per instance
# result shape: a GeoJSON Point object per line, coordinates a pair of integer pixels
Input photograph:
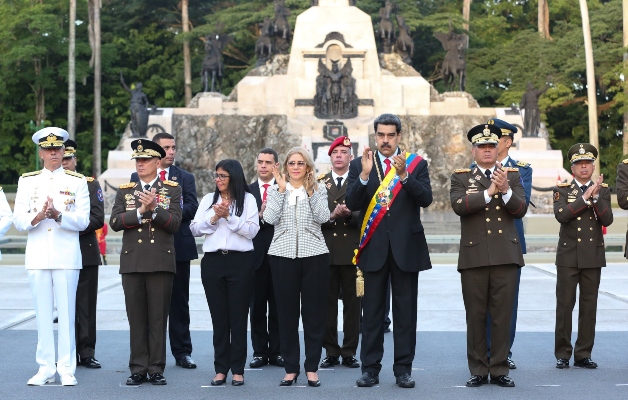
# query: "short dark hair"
{"type": "Point", "coordinates": [237, 183]}
{"type": "Point", "coordinates": [388, 119]}
{"type": "Point", "coordinates": [162, 135]}
{"type": "Point", "coordinates": [268, 150]}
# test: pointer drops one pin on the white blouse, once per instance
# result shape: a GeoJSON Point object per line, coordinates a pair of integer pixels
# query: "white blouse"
{"type": "Point", "coordinates": [236, 234]}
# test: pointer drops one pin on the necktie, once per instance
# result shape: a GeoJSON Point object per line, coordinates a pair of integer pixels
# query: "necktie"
{"type": "Point", "coordinates": [265, 186]}
{"type": "Point", "coordinates": [339, 184]}
{"type": "Point", "coordinates": [387, 162]}
{"type": "Point", "coordinates": [584, 188]}
{"type": "Point", "coordinates": [162, 175]}
{"type": "Point", "coordinates": [488, 174]}
{"type": "Point", "coordinates": [147, 186]}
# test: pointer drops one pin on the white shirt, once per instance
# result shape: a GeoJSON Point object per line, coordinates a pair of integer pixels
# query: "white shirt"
{"type": "Point", "coordinates": [261, 184]}
{"type": "Point", "coordinates": [335, 177]}
{"type": "Point", "coordinates": [150, 184]}
{"type": "Point", "coordinates": [234, 234]}
{"type": "Point", "coordinates": [295, 194]}
{"type": "Point", "coordinates": [487, 198]}
{"type": "Point", "coordinates": [52, 245]}
{"type": "Point", "coordinates": [162, 169]}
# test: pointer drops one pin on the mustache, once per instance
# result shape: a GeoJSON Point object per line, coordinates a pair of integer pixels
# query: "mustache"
{"type": "Point", "coordinates": [385, 145]}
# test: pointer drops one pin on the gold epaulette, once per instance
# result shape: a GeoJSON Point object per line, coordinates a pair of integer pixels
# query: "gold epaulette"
{"type": "Point", "coordinates": [89, 179]}
{"type": "Point", "coordinates": [128, 185]}
{"type": "Point", "coordinates": [0, 188]}
{"type": "Point", "coordinates": [27, 174]}
{"type": "Point", "coordinates": [74, 174]}
{"type": "Point", "coordinates": [604, 184]}
{"type": "Point", "coordinates": [523, 164]}
{"type": "Point", "coordinates": [625, 161]}
{"type": "Point", "coordinates": [171, 183]}
{"type": "Point", "coordinates": [565, 184]}
{"type": "Point", "coordinates": [511, 169]}
{"type": "Point", "coordinates": [461, 170]}
{"type": "Point", "coordinates": [321, 176]}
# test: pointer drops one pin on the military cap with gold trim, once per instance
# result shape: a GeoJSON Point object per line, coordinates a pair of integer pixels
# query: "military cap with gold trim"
{"type": "Point", "coordinates": [340, 141]}
{"type": "Point", "coordinates": [507, 129]}
{"type": "Point", "coordinates": [50, 138]}
{"type": "Point", "coordinates": [582, 152]}
{"type": "Point", "coordinates": [70, 148]}
{"type": "Point", "coordinates": [144, 148]}
{"type": "Point", "coordinates": [484, 134]}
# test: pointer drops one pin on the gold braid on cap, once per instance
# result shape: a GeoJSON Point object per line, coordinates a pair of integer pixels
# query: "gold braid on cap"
{"type": "Point", "coordinates": [51, 140]}
{"type": "Point", "coordinates": [145, 153]}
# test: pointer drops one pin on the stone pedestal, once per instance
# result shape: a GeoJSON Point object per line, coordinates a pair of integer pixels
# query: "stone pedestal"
{"type": "Point", "coordinates": [547, 165]}
{"type": "Point", "coordinates": [120, 166]}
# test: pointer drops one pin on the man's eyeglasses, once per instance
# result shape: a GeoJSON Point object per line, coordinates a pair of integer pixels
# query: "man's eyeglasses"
{"type": "Point", "coordinates": [219, 177]}
{"type": "Point", "coordinates": [299, 164]}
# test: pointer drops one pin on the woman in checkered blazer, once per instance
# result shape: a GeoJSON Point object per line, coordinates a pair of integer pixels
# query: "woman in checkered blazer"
{"type": "Point", "coordinates": [299, 260]}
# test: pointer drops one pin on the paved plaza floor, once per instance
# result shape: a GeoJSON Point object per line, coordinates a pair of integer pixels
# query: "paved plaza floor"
{"type": "Point", "coordinates": [439, 368]}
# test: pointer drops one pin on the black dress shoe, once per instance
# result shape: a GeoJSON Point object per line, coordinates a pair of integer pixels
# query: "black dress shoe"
{"type": "Point", "coordinates": [237, 383]}
{"type": "Point", "coordinates": [350, 362]}
{"type": "Point", "coordinates": [511, 363]}
{"type": "Point", "coordinates": [503, 381]}
{"type": "Point", "coordinates": [289, 382]}
{"type": "Point", "coordinates": [89, 362]}
{"type": "Point", "coordinates": [157, 379]}
{"type": "Point", "coordinates": [368, 379]}
{"type": "Point", "coordinates": [585, 363]}
{"type": "Point", "coordinates": [277, 361]}
{"type": "Point", "coordinates": [315, 383]}
{"type": "Point", "coordinates": [136, 379]}
{"type": "Point", "coordinates": [477, 381]}
{"type": "Point", "coordinates": [186, 362]}
{"type": "Point", "coordinates": [329, 362]}
{"type": "Point", "coordinates": [218, 382]}
{"type": "Point", "coordinates": [258, 362]}
{"type": "Point", "coordinates": [562, 363]}
{"type": "Point", "coordinates": [405, 381]}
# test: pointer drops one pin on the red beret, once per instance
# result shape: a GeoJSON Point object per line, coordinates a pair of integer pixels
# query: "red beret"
{"type": "Point", "coordinates": [340, 141]}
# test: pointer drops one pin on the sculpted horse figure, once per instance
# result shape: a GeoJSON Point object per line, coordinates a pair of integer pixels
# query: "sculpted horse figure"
{"type": "Point", "coordinates": [454, 64]}
{"type": "Point", "coordinates": [404, 45]}
{"type": "Point", "coordinates": [212, 63]}
{"type": "Point", "coordinates": [280, 24]}
{"type": "Point", "coordinates": [264, 44]}
{"type": "Point", "coordinates": [386, 28]}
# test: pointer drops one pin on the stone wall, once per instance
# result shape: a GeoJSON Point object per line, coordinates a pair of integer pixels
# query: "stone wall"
{"type": "Point", "coordinates": [202, 141]}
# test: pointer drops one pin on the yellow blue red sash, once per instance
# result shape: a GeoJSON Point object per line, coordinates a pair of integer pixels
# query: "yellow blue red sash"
{"type": "Point", "coordinates": [376, 211]}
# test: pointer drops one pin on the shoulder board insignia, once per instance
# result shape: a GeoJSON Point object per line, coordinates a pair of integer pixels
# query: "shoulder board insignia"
{"type": "Point", "coordinates": [511, 169]}
{"type": "Point", "coordinates": [523, 164]}
{"type": "Point", "coordinates": [26, 174]}
{"type": "Point", "coordinates": [601, 184]}
{"type": "Point", "coordinates": [461, 170]}
{"type": "Point", "coordinates": [563, 184]}
{"type": "Point", "coordinates": [625, 161]}
{"type": "Point", "coordinates": [128, 185]}
{"type": "Point", "coordinates": [89, 179]}
{"type": "Point", "coordinates": [321, 176]}
{"type": "Point", "coordinates": [171, 183]}
{"type": "Point", "coordinates": [72, 173]}
{"type": "Point", "coordinates": [0, 188]}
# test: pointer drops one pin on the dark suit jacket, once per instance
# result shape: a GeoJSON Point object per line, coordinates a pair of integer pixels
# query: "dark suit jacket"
{"type": "Point", "coordinates": [401, 228]}
{"type": "Point", "coordinates": [342, 236]}
{"type": "Point", "coordinates": [87, 238]}
{"type": "Point", "coordinates": [622, 191]}
{"type": "Point", "coordinates": [580, 241]}
{"type": "Point", "coordinates": [261, 241]}
{"type": "Point", "coordinates": [488, 236]}
{"type": "Point", "coordinates": [147, 246]}
{"type": "Point", "coordinates": [184, 242]}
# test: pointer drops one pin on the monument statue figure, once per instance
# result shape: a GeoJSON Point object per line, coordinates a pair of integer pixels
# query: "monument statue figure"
{"type": "Point", "coordinates": [530, 105]}
{"type": "Point", "coordinates": [454, 63]}
{"type": "Point", "coordinates": [404, 46]}
{"type": "Point", "coordinates": [138, 107]}
{"type": "Point", "coordinates": [212, 62]}
{"type": "Point", "coordinates": [264, 44]}
{"type": "Point", "coordinates": [386, 27]}
{"type": "Point", "coordinates": [335, 91]}
{"type": "Point", "coordinates": [281, 27]}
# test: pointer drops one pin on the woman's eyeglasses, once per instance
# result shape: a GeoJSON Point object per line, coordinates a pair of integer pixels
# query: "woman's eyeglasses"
{"type": "Point", "coordinates": [299, 164]}
{"type": "Point", "coordinates": [219, 177]}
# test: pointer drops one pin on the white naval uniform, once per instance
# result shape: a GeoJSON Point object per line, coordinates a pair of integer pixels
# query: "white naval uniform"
{"type": "Point", "coordinates": [6, 216]}
{"type": "Point", "coordinates": [53, 259]}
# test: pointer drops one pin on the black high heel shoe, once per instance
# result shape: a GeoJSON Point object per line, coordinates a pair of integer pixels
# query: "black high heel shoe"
{"type": "Point", "coordinates": [289, 382]}
{"type": "Point", "coordinates": [218, 382]}
{"type": "Point", "coordinates": [315, 383]}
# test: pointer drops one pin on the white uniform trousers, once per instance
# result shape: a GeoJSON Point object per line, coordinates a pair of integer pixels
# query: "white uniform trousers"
{"type": "Point", "coordinates": [48, 285]}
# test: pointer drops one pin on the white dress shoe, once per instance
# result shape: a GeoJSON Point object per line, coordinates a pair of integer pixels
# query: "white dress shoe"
{"type": "Point", "coordinates": [68, 380]}
{"type": "Point", "coordinates": [40, 380]}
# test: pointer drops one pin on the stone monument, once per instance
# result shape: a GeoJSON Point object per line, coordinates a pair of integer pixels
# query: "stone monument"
{"type": "Point", "coordinates": [212, 62]}
{"type": "Point", "coordinates": [454, 64]}
{"type": "Point", "coordinates": [138, 107]}
{"type": "Point", "coordinates": [532, 114]}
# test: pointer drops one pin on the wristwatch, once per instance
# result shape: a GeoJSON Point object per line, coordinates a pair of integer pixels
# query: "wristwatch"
{"type": "Point", "coordinates": [59, 217]}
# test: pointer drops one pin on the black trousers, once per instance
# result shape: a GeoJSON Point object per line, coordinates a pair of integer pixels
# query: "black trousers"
{"type": "Point", "coordinates": [264, 323]}
{"type": "Point", "coordinates": [86, 296]}
{"type": "Point", "coordinates": [147, 299]}
{"type": "Point", "coordinates": [404, 287]}
{"type": "Point", "coordinates": [301, 283]}
{"type": "Point", "coordinates": [342, 276]}
{"type": "Point", "coordinates": [228, 281]}
{"type": "Point", "coordinates": [179, 318]}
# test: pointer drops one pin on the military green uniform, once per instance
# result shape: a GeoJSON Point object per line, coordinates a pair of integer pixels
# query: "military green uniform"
{"type": "Point", "coordinates": [342, 238]}
{"type": "Point", "coordinates": [147, 265]}
{"type": "Point", "coordinates": [489, 258]}
{"type": "Point", "coordinates": [579, 260]}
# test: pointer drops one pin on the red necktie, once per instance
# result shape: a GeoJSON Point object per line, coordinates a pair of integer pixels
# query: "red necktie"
{"type": "Point", "coordinates": [265, 186]}
{"type": "Point", "coordinates": [162, 175]}
{"type": "Point", "coordinates": [387, 162]}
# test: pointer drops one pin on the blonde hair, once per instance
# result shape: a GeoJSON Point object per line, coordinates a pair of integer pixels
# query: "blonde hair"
{"type": "Point", "coordinates": [309, 183]}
